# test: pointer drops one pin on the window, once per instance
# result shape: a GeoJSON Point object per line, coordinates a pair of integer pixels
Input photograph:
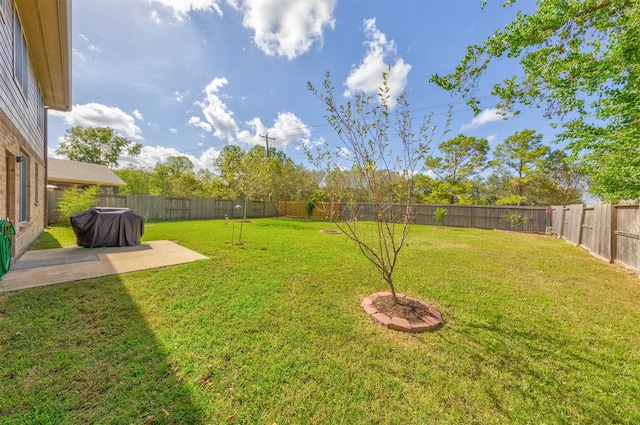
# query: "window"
{"type": "Point", "coordinates": [4, 8]}
{"type": "Point", "coordinates": [36, 198]}
{"type": "Point", "coordinates": [24, 189]}
{"type": "Point", "coordinates": [20, 57]}
{"type": "Point", "coordinates": [40, 111]}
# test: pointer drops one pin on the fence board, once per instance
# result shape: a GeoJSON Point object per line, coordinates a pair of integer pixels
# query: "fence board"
{"type": "Point", "coordinates": [572, 224]}
{"type": "Point", "coordinates": [611, 233]}
{"type": "Point", "coordinates": [558, 220]}
{"type": "Point", "coordinates": [598, 238]}
{"type": "Point", "coordinates": [477, 216]}
{"type": "Point", "coordinates": [166, 208]}
{"type": "Point", "coordinates": [627, 236]}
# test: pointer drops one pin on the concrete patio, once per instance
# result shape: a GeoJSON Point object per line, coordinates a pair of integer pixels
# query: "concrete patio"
{"type": "Point", "coordinates": [51, 266]}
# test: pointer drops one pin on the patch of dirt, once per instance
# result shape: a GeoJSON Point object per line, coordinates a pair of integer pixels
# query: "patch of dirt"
{"type": "Point", "coordinates": [331, 232]}
{"type": "Point", "coordinates": [409, 309]}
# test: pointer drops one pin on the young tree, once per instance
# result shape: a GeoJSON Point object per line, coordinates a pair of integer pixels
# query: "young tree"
{"type": "Point", "coordinates": [462, 157]}
{"type": "Point", "coordinates": [382, 152]}
{"type": "Point", "coordinates": [579, 62]}
{"type": "Point", "coordinates": [519, 156]}
{"type": "Point", "coordinates": [96, 145]}
{"type": "Point", "coordinates": [74, 201]}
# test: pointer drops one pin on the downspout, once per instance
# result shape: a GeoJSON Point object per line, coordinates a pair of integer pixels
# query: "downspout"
{"type": "Point", "coordinates": [46, 168]}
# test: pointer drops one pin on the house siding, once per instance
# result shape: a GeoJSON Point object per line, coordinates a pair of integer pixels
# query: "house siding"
{"type": "Point", "coordinates": [19, 133]}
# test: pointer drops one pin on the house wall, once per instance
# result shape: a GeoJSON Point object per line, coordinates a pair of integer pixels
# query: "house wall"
{"type": "Point", "coordinates": [19, 133]}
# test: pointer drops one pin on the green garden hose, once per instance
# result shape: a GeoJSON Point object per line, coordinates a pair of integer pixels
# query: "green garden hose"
{"type": "Point", "coordinates": [7, 230]}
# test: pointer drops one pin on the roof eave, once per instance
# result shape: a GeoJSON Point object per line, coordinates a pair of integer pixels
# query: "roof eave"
{"type": "Point", "coordinates": [47, 26]}
{"type": "Point", "coordinates": [53, 180]}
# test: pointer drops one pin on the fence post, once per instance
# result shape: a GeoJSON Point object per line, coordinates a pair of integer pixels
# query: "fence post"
{"type": "Point", "coordinates": [580, 231]}
{"type": "Point", "coordinates": [614, 236]}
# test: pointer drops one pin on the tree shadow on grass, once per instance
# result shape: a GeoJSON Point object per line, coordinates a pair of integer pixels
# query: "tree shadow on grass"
{"type": "Point", "coordinates": [46, 241]}
{"type": "Point", "coordinates": [81, 352]}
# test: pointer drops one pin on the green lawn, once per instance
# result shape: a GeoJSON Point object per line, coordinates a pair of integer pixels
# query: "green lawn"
{"type": "Point", "coordinates": [272, 332]}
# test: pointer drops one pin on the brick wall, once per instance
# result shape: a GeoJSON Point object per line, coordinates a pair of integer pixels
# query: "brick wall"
{"type": "Point", "coordinates": [12, 144]}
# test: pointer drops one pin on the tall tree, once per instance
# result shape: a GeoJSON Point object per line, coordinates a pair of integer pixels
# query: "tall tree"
{"type": "Point", "coordinates": [519, 156]}
{"type": "Point", "coordinates": [366, 129]}
{"type": "Point", "coordinates": [229, 167]}
{"type": "Point", "coordinates": [137, 180]}
{"type": "Point", "coordinates": [461, 158]}
{"type": "Point", "coordinates": [256, 177]}
{"type": "Point", "coordinates": [495, 188]}
{"type": "Point", "coordinates": [558, 181]}
{"type": "Point", "coordinates": [175, 177]}
{"type": "Point", "coordinates": [579, 62]}
{"type": "Point", "coordinates": [96, 145]}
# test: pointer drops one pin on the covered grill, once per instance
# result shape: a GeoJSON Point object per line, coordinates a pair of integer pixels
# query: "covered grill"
{"type": "Point", "coordinates": [102, 226]}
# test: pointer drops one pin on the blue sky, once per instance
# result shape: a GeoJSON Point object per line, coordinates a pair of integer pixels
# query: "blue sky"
{"type": "Point", "coordinates": [187, 77]}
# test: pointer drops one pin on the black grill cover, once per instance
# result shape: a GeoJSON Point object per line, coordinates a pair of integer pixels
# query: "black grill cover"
{"type": "Point", "coordinates": [101, 226]}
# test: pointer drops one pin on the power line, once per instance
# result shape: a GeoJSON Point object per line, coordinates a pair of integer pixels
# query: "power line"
{"type": "Point", "coordinates": [266, 139]}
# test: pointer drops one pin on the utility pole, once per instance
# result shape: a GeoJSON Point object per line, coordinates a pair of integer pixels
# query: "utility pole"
{"type": "Point", "coordinates": [266, 139]}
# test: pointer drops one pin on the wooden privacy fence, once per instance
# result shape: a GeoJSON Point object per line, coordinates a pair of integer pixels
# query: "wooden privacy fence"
{"type": "Point", "coordinates": [609, 232]}
{"type": "Point", "coordinates": [476, 216]}
{"type": "Point", "coordinates": [166, 208]}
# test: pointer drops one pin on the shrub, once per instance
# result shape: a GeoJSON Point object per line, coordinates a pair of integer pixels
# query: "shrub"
{"type": "Point", "coordinates": [513, 219]}
{"type": "Point", "coordinates": [309, 206]}
{"type": "Point", "coordinates": [440, 214]}
{"type": "Point", "coordinates": [75, 200]}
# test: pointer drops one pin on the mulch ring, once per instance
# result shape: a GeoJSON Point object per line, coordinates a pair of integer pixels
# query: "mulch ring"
{"type": "Point", "coordinates": [407, 315]}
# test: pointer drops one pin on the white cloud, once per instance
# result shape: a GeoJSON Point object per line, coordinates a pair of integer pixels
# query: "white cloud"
{"type": "Point", "coordinates": [491, 138]}
{"type": "Point", "coordinates": [98, 115]}
{"type": "Point", "coordinates": [288, 28]}
{"type": "Point", "coordinates": [173, 130]}
{"type": "Point", "coordinates": [312, 144]}
{"type": "Point", "coordinates": [85, 49]}
{"type": "Point", "coordinates": [216, 111]}
{"type": "Point", "coordinates": [180, 8]}
{"type": "Point", "coordinates": [205, 161]}
{"type": "Point", "coordinates": [179, 96]}
{"type": "Point", "coordinates": [90, 46]}
{"type": "Point", "coordinates": [138, 115]}
{"type": "Point", "coordinates": [290, 129]}
{"type": "Point", "coordinates": [152, 155]}
{"type": "Point", "coordinates": [197, 122]}
{"type": "Point", "coordinates": [367, 77]}
{"type": "Point", "coordinates": [287, 128]}
{"type": "Point", "coordinates": [484, 117]}
{"type": "Point", "coordinates": [155, 17]}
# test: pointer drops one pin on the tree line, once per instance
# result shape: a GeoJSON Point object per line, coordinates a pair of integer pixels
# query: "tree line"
{"type": "Point", "coordinates": [521, 171]}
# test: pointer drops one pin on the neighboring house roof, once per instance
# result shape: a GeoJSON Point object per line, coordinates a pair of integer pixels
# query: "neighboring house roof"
{"type": "Point", "coordinates": [74, 172]}
{"type": "Point", "coordinates": [47, 25]}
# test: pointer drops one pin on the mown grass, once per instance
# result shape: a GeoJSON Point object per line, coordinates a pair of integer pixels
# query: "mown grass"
{"type": "Point", "coordinates": [536, 331]}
